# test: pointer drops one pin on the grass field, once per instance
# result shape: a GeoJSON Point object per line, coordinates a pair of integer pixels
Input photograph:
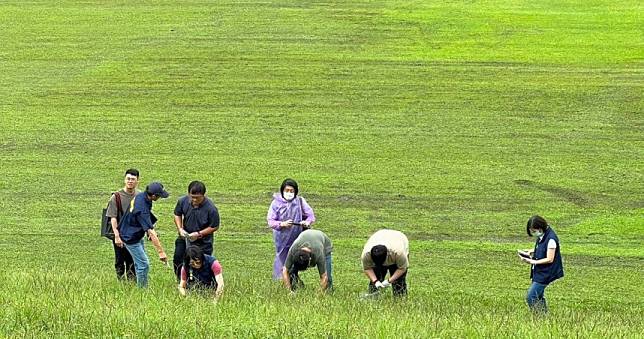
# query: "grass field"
{"type": "Point", "coordinates": [451, 121]}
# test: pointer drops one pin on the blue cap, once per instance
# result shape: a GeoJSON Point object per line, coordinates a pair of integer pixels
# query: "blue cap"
{"type": "Point", "coordinates": [156, 188]}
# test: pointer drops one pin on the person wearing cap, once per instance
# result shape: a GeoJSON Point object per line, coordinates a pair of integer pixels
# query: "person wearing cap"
{"type": "Point", "coordinates": [311, 248]}
{"type": "Point", "coordinates": [287, 216]}
{"type": "Point", "coordinates": [386, 251]}
{"type": "Point", "coordinates": [196, 218]}
{"type": "Point", "coordinates": [138, 221]}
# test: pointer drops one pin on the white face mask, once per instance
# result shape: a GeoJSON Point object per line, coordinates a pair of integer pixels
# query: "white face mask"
{"type": "Point", "coordinates": [289, 196]}
{"type": "Point", "coordinates": [538, 234]}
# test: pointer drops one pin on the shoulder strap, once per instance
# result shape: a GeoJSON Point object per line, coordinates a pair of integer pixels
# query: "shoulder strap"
{"type": "Point", "coordinates": [119, 207]}
{"type": "Point", "coordinates": [302, 208]}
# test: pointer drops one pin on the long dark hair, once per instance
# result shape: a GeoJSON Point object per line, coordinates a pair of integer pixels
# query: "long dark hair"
{"type": "Point", "coordinates": [538, 223]}
{"type": "Point", "coordinates": [194, 253]}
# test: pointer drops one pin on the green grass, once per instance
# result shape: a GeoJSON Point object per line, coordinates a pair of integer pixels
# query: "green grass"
{"type": "Point", "coordinates": [452, 122]}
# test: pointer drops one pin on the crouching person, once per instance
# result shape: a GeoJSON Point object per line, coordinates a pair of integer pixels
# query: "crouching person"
{"type": "Point", "coordinates": [310, 248]}
{"type": "Point", "coordinates": [201, 271]}
{"type": "Point", "coordinates": [386, 251]}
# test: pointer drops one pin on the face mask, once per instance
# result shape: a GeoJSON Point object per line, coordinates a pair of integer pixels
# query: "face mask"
{"type": "Point", "coordinates": [289, 196]}
{"type": "Point", "coordinates": [538, 234]}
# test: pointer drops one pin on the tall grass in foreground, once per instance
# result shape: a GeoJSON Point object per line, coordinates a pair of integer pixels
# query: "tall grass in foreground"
{"type": "Point", "coordinates": [60, 301]}
{"type": "Point", "coordinates": [450, 121]}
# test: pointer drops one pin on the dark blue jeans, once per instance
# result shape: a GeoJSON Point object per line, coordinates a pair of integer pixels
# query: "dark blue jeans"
{"type": "Point", "coordinates": [535, 299]}
{"type": "Point", "coordinates": [141, 263]}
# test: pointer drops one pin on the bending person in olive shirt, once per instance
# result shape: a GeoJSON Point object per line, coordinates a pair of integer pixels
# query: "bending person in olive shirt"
{"type": "Point", "coordinates": [310, 248]}
{"type": "Point", "coordinates": [386, 251]}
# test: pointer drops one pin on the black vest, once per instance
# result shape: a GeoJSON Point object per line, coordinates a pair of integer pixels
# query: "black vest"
{"type": "Point", "coordinates": [547, 273]}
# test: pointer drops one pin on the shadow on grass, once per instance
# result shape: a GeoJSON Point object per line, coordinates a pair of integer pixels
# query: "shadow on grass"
{"type": "Point", "coordinates": [567, 194]}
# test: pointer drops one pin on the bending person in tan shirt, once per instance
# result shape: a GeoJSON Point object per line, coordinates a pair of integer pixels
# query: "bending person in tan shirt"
{"type": "Point", "coordinates": [386, 251]}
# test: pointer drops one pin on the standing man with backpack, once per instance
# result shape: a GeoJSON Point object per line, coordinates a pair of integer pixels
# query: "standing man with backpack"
{"type": "Point", "coordinates": [116, 208]}
{"type": "Point", "coordinates": [196, 218]}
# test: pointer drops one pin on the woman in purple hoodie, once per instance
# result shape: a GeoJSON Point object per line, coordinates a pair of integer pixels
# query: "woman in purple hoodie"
{"type": "Point", "coordinates": [288, 215]}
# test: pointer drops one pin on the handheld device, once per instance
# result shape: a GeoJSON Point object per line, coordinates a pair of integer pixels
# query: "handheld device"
{"type": "Point", "coordinates": [524, 254]}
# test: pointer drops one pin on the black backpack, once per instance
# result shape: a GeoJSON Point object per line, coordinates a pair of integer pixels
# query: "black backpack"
{"type": "Point", "coordinates": [106, 225]}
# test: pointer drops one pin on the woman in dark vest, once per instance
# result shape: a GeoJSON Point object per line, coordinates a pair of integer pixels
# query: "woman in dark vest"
{"type": "Point", "coordinates": [545, 259]}
{"type": "Point", "coordinates": [201, 271]}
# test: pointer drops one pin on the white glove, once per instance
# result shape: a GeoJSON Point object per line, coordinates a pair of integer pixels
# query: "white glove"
{"type": "Point", "coordinates": [379, 284]}
{"type": "Point", "coordinates": [386, 284]}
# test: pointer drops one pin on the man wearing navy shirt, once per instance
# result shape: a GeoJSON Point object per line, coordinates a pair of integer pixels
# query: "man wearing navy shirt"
{"type": "Point", "coordinates": [197, 219]}
{"type": "Point", "coordinates": [138, 221]}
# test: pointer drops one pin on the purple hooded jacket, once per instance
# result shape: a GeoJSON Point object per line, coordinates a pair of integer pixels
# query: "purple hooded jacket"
{"type": "Point", "coordinates": [281, 210]}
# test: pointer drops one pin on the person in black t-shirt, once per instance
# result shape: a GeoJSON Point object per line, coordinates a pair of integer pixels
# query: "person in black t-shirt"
{"type": "Point", "coordinates": [197, 219]}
